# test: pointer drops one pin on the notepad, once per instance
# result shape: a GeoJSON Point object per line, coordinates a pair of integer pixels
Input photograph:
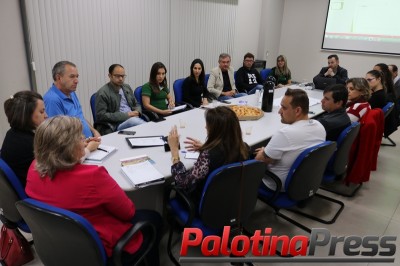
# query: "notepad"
{"type": "Point", "coordinates": [142, 174]}
{"type": "Point", "coordinates": [177, 108]}
{"type": "Point", "coordinates": [192, 155]}
{"type": "Point", "coordinates": [102, 152]}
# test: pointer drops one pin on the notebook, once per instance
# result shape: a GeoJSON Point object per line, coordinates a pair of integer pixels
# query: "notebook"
{"type": "Point", "coordinates": [99, 155]}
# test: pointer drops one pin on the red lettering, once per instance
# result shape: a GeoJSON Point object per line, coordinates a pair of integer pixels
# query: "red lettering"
{"type": "Point", "coordinates": [240, 245]}
{"type": "Point", "coordinates": [302, 251]}
{"type": "Point", "coordinates": [225, 241]}
{"type": "Point", "coordinates": [274, 243]}
{"type": "Point", "coordinates": [186, 242]}
{"type": "Point", "coordinates": [256, 238]}
{"type": "Point", "coordinates": [215, 242]}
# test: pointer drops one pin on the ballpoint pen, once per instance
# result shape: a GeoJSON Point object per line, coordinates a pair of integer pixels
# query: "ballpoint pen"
{"type": "Point", "coordinates": [100, 149]}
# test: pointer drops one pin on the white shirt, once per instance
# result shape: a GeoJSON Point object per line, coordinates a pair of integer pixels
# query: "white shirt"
{"type": "Point", "coordinates": [288, 143]}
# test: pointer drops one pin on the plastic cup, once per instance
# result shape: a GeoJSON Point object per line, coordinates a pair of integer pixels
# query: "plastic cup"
{"type": "Point", "coordinates": [248, 130]}
{"type": "Point", "coordinates": [182, 123]}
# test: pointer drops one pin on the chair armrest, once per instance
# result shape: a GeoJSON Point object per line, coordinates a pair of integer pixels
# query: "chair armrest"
{"type": "Point", "coordinates": [152, 116]}
{"type": "Point", "coordinates": [278, 183]}
{"type": "Point", "coordinates": [185, 199]}
{"type": "Point", "coordinates": [104, 127]}
{"type": "Point", "coordinates": [188, 105]}
{"type": "Point", "coordinates": [126, 237]}
{"type": "Point", "coordinates": [145, 117]}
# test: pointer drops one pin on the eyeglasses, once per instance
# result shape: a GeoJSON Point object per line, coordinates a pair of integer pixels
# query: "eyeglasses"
{"type": "Point", "coordinates": [370, 79]}
{"type": "Point", "coordinates": [119, 76]}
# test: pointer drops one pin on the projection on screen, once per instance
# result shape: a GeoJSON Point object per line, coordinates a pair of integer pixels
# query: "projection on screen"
{"type": "Point", "coordinates": [369, 26]}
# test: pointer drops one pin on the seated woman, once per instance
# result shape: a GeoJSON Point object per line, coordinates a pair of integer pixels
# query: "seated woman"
{"type": "Point", "coordinates": [25, 112]}
{"type": "Point", "coordinates": [378, 91]}
{"type": "Point", "coordinates": [194, 90]}
{"type": "Point", "coordinates": [56, 177]}
{"type": "Point", "coordinates": [281, 72]}
{"type": "Point", "coordinates": [155, 93]}
{"type": "Point", "coordinates": [359, 94]}
{"type": "Point", "coordinates": [224, 145]}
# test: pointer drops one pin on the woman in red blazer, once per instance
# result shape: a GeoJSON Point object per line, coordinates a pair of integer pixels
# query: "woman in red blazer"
{"type": "Point", "coordinates": [56, 177]}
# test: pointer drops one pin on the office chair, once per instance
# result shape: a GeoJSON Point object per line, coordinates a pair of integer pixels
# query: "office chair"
{"type": "Point", "coordinates": [206, 77]}
{"type": "Point", "coordinates": [229, 197]}
{"type": "Point", "coordinates": [11, 191]}
{"type": "Point", "coordinates": [390, 120]}
{"type": "Point", "coordinates": [302, 183]}
{"type": "Point", "coordinates": [264, 74]}
{"type": "Point", "coordinates": [337, 166]}
{"type": "Point", "coordinates": [152, 116]}
{"type": "Point", "coordinates": [178, 92]}
{"type": "Point", "coordinates": [66, 238]}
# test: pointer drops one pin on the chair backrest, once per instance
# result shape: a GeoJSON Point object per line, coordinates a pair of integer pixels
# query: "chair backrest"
{"type": "Point", "coordinates": [62, 237]}
{"type": "Point", "coordinates": [93, 106]}
{"type": "Point", "coordinates": [178, 90]}
{"type": "Point", "coordinates": [138, 95]}
{"type": "Point", "coordinates": [388, 108]}
{"type": "Point", "coordinates": [264, 73]}
{"type": "Point", "coordinates": [305, 175]}
{"type": "Point", "coordinates": [340, 159]}
{"type": "Point", "coordinates": [230, 193]}
{"type": "Point", "coordinates": [206, 77]}
{"type": "Point", "coordinates": [11, 191]}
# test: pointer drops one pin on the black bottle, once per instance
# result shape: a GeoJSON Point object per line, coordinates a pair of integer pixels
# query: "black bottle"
{"type": "Point", "coordinates": [268, 96]}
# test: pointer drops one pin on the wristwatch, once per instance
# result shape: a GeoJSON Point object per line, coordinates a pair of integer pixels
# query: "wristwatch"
{"type": "Point", "coordinates": [174, 160]}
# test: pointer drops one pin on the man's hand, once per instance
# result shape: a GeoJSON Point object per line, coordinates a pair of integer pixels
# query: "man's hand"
{"type": "Point", "coordinates": [133, 113]}
{"type": "Point", "coordinates": [329, 72]}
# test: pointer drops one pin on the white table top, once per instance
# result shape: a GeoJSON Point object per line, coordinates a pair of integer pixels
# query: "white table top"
{"type": "Point", "coordinates": [262, 129]}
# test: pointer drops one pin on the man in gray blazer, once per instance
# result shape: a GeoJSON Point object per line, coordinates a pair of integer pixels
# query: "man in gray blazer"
{"type": "Point", "coordinates": [396, 79]}
{"type": "Point", "coordinates": [221, 83]}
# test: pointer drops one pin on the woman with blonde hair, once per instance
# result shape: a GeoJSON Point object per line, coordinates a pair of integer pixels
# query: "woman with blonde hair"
{"type": "Point", "coordinates": [281, 72]}
{"type": "Point", "coordinates": [57, 177]}
{"type": "Point", "coordinates": [359, 94]}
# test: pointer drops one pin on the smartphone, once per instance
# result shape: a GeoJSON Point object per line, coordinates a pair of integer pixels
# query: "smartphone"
{"type": "Point", "coordinates": [125, 132]}
{"type": "Point", "coordinates": [225, 101]}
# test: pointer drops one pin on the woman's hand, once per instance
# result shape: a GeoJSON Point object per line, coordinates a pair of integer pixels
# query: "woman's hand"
{"type": "Point", "coordinates": [92, 145]}
{"type": "Point", "coordinates": [171, 104]}
{"type": "Point", "coordinates": [173, 141]}
{"type": "Point", "coordinates": [192, 144]}
{"type": "Point", "coordinates": [205, 101]}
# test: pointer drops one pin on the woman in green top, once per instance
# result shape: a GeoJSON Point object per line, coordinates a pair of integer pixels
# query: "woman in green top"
{"type": "Point", "coordinates": [155, 93]}
{"type": "Point", "coordinates": [281, 72]}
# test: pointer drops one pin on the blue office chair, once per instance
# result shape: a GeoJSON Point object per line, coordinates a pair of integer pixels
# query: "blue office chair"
{"type": "Point", "coordinates": [229, 197]}
{"type": "Point", "coordinates": [390, 123]}
{"type": "Point", "coordinates": [302, 183]}
{"type": "Point", "coordinates": [11, 191]}
{"type": "Point", "coordinates": [264, 73]}
{"type": "Point", "coordinates": [337, 166]}
{"type": "Point", "coordinates": [178, 92]}
{"type": "Point", "coordinates": [151, 116]}
{"type": "Point", "coordinates": [66, 238]}
{"type": "Point", "coordinates": [206, 77]}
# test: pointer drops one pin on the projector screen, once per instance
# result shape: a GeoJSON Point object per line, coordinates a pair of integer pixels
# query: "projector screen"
{"type": "Point", "coordinates": [369, 26]}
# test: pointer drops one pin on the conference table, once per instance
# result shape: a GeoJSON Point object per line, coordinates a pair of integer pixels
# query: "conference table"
{"type": "Point", "coordinates": [151, 197]}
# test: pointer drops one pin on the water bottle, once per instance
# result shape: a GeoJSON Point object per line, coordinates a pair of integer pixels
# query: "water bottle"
{"type": "Point", "coordinates": [268, 96]}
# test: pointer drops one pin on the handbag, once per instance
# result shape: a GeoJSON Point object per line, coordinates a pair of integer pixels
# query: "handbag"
{"type": "Point", "coordinates": [14, 248]}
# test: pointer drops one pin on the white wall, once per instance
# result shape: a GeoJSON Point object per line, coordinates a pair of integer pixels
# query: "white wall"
{"type": "Point", "coordinates": [301, 38]}
{"type": "Point", "coordinates": [13, 69]}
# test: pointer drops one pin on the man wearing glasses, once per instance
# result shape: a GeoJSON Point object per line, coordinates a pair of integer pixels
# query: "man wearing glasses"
{"type": "Point", "coordinates": [61, 99]}
{"type": "Point", "coordinates": [248, 79]}
{"type": "Point", "coordinates": [116, 106]}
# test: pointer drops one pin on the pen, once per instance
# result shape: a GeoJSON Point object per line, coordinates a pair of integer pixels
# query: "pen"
{"type": "Point", "coordinates": [100, 149]}
{"type": "Point", "coordinates": [311, 112]}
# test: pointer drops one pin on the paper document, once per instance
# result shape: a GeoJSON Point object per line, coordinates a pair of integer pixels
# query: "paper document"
{"type": "Point", "coordinates": [192, 155]}
{"type": "Point", "coordinates": [142, 174]}
{"type": "Point", "coordinates": [177, 108]}
{"type": "Point", "coordinates": [102, 152]}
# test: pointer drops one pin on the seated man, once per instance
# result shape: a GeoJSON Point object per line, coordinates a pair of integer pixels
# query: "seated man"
{"type": "Point", "coordinates": [248, 80]}
{"type": "Point", "coordinates": [116, 103]}
{"type": "Point", "coordinates": [333, 70]}
{"type": "Point", "coordinates": [396, 79]}
{"type": "Point", "coordinates": [286, 144]}
{"type": "Point", "coordinates": [61, 99]}
{"type": "Point", "coordinates": [221, 83]}
{"type": "Point", "coordinates": [335, 120]}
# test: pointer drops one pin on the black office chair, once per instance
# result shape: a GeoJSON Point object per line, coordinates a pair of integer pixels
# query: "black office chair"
{"type": "Point", "coordinates": [337, 166]}
{"type": "Point", "coordinates": [66, 238]}
{"type": "Point", "coordinates": [390, 123]}
{"type": "Point", "coordinates": [229, 197]}
{"type": "Point", "coordinates": [302, 183]}
{"type": "Point", "coordinates": [11, 191]}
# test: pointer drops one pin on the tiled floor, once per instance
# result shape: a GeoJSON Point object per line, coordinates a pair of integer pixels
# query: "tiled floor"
{"type": "Point", "coordinates": [373, 211]}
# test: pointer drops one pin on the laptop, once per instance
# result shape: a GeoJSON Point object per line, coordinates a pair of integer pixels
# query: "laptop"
{"type": "Point", "coordinates": [322, 82]}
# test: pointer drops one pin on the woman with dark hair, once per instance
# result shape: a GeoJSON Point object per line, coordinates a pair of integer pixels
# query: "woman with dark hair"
{"type": "Point", "coordinates": [359, 93]}
{"type": "Point", "coordinates": [194, 90]}
{"type": "Point", "coordinates": [155, 93]}
{"type": "Point", "coordinates": [378, 97]}
{"type": "Point", "coordinates": [387, 79]}
{"type": "Point", "coordinates": [57, 177]}
{"type": "Point", "coordinates": [25, 112]}
{"type": "Point", "coordinates": [224, 145]}
{"type": "Point", "coordinates": [281, 72]}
